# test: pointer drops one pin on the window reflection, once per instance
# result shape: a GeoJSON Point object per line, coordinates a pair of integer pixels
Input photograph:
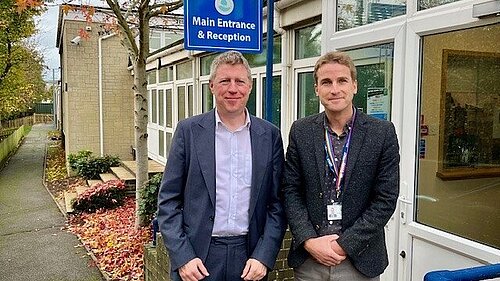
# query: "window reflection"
{"type": "Point", "coordinates": [352, 13]}
{"type": "Point", "coordinates": [308, 103]}
{"type": "Point", "coordinates": [276, 100]}
{"type": "Point", "coordinates": [458, 182]}
{"type": "Point", "coordinates": [308, 42]}
{"type": "Point", "coordinates": [426, 4]}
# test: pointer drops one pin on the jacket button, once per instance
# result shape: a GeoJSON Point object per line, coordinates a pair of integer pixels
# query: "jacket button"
{"type": "Point", "coordinates": [211, 218]}
{"type": "Point", "coordinates": [317, 227]}
{"type": "Point", "coordinates": [320, 195]}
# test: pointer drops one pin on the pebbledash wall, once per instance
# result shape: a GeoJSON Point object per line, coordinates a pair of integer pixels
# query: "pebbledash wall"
{"type": "Point", "coordinates": [96, 117]}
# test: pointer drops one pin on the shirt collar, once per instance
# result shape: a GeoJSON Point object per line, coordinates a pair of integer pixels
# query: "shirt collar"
{"type": "Point", "coordinates": [347, 126]}
{"type": "Point", "coordinates": [219, 122]}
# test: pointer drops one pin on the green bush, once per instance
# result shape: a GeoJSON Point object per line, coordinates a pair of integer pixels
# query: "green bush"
{"type": "Point", "coordinates": [88, 166]}
{"type": "Point", "coordinates": [149, 195]}
{"type": "Point", "coordinates": [107, 195]}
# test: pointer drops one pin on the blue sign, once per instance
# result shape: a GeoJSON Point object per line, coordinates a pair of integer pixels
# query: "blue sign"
{"type": "Point", "coordinates": [220, 25]}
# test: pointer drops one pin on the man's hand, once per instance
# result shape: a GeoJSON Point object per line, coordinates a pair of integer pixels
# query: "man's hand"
{"type": "Point", "coordinates": [254, 270]}
{"type": "Point", "coordinates": [193, 270]}
{"type": "Point", "coordinates": [322, 250]}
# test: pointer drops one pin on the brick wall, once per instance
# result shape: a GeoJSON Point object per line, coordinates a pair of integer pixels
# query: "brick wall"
{"type": "Point", "coordinates": [156, 262]}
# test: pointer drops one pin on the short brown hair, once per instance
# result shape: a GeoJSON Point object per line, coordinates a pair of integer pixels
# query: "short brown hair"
{"type": "Point", "coordinates": [232, 58]}
{"type": "Point", "coordinates": [335, 57]}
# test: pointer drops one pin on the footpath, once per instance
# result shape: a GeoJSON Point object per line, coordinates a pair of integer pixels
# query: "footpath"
{"type": "Point", "coordinates": [34, 243]}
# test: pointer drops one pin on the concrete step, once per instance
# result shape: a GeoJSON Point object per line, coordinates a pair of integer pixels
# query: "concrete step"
{"type": "Point", "coordinates": [123, 174]}
{"type": "Point", "coordinates": [153, 166]}
{"type": "Point", "coordinates": [93, 182]}
{"type": "Point", "coordinates": [69, 196]}
{"type": "Point", "coordinates": [81, 189]}
{"type": "Point", "coordinates": [108, 176]}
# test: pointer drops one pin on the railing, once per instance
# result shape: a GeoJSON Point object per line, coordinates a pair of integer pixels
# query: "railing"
{"type": "Point", "coordinates": [468, 274]}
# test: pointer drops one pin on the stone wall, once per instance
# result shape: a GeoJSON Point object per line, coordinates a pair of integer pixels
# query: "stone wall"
{"type": "Point", "coordinates": [157, 264]}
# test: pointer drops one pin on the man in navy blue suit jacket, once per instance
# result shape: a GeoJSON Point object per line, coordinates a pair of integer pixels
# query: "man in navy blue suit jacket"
{"type": "Point", "coordinates": [219, 209]}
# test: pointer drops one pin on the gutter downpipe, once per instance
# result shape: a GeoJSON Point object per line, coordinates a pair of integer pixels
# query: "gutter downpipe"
{"type": "Point", "coordinates": [101, 113]}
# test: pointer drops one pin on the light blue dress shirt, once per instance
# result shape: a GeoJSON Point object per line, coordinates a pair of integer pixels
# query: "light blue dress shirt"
{"type": "Point", "coordinates": [233, 178]}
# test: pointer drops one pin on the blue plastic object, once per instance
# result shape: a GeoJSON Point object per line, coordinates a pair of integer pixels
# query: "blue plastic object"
{"type": "Point", "coordinates": [468, 274]}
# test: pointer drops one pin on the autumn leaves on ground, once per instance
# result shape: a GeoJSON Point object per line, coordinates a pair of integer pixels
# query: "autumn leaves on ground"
{"type": "Point", "coordinates": [110, 234]}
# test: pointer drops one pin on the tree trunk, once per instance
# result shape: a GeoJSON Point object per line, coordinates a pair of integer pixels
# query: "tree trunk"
{"type": "Point", "coordinates": [141, 134]}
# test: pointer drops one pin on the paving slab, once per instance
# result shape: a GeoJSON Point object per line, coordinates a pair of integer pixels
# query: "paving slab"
{"type": "Point", "coordinates": [34, 242]}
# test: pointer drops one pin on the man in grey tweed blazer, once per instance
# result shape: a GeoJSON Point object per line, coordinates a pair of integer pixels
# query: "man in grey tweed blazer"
{"type": "Point", "coordinates": [341, 182]}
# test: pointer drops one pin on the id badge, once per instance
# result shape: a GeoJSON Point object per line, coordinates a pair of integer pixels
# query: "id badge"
{"type": "Point", "coordinates": [334, 211]}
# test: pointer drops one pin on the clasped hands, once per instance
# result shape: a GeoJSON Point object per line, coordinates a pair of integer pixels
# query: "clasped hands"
{"type": "Point", "coordinates": [325, 250]}
{"type": "Point", "coordinates": [195, 270]}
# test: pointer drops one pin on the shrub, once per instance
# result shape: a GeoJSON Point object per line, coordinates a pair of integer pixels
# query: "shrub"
{"type": "Point", "coordinates": [149, 195]}
{"type": "Point", "coordinates": [88, 166]}
{"type": "Point", "coordinates": [107, 195]}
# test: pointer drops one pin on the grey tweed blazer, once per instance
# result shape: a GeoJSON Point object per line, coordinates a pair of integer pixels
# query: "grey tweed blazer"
{"type": "Point", "coordinates": [371, 188]}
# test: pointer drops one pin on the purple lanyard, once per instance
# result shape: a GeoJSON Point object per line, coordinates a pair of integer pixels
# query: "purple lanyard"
{"type": "Point", "coordinates": [339, 172]}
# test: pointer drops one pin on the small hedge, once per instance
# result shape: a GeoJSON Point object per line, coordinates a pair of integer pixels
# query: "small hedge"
{"type": "Point", "coordinates": [107, 195]}
{"type": "Point", "coordinates": [88, 166]}
{"type": "Point", "coordinates": [149, 195]}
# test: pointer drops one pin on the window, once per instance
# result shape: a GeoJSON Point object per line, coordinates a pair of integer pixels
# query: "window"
{"type": "Point", "coordinates": [161, 143]}
{"type": "Point", "coordinates": [255, 60]}
{"type": "Point", "coordinates": [426, 4]}
{"type": "Point", "coordinates": [205, 63]}
{"type": "Point", "coordinates": [252, 100]}
{"type": "Point", "coordinates": [207, 98]}
{"type": "Point", "coordinates": [308, 103]}
{"type": "Point", "coordinates": [190, 100]}
{"type": "Point", "coordinates": [185, 70]}
{"type": "Point", "coordinates": [276, 100]}
{"type": "Point", "coordinates": [151, 76]}
{"type": "Point", "coordinates": [168, 98]}
{"type": "Point", "coordinates": [166, 74]}
{"type": "Point", "coordinates": [374, 70]}
{"type": "Point", "coordinates": [181, 103]}
{"type": "Point", "coordinates": [308, 42]}
{"type": "Point", "coordinates": [360, 12]}
{"type": "Point", "coordinates": [161, 104]}
{"type": "Point", "coordinates": [458, 180]}
{"type": "Point", "coordinates": [154, 41]}
{"type": "Point", "coordinates": [154, 106]}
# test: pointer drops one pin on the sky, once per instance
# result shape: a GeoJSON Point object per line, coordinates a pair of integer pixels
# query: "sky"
{"type": "Point", "coordinates": [45, 39]}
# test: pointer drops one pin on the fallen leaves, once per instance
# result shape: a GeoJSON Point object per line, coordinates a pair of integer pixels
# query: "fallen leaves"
{"type": "Point", "coordinates": [112, 237]}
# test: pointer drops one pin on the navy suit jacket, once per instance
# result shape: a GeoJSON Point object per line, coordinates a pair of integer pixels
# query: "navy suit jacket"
{"type": "Point", "coordinates": [186, 200]}
{"type": "Point", "coordinates": [371, 188]}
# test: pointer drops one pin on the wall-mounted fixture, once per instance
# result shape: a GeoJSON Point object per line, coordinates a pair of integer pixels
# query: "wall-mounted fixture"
{"type": "Point", "coordinates": [76, 40]}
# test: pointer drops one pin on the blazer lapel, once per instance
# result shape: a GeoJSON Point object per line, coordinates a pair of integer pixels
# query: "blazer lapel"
{"type": "Point", "coordinates": [260, 139]}
{"type": "Point", "coordinates": [204, 140]}
{"type": "Point", "coordinates": [358, 136]}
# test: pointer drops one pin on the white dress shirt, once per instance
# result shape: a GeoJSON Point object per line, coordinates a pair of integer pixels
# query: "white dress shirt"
{"type": "Point", "coordinates": [233, 178]}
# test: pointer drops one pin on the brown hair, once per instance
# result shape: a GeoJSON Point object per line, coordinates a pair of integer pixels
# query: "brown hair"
{"type": "Point", "coordinates": [335, 57]}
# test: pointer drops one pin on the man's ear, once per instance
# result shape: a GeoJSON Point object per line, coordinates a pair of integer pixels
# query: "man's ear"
{"type": "Point", "coordinates": [316, 89]}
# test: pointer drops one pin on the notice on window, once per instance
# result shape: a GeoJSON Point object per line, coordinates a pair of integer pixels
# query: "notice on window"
{"type": "Point", "coordinates": [378, 103]}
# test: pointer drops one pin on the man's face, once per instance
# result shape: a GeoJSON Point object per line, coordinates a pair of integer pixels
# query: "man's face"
{"type": "Point", "coordinates": [335, 87]}
{"type": "Point", "coordinates": [231, 88]}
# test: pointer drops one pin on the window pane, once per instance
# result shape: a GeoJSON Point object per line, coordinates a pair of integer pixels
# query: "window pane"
{"type": "Point", "coordinates": [252, 100]}
{"type": "Point", "coordinates": [154, 106]}
{"type": "Point", "coordinates": [166, 74]}
{"type": "Point", "coordinates": [276, 100]}
{"type": "Point", "coordinates": [207, 101]}
{"type": "Point", "coordinates": [161, 143]}
{"type": "Point", "coordinates": [184, 70]}
{"type": "Point", "coordinates": [169, 108]}
{"type": "Point", "coordinates": [307, 103]}
{"type": "Point", "coordinates": [161, 105]}
{"type": "Point", "coordinates": [205, 62]}
{"type": "Point", "coordinates": [458, 184]}
{"type": "Point", "coordinates": [360, 12]}
{"type": "Point", "coordinates": [181, 94]}
{"type": "Point", "coordinates": [151, 76]}
{"type": "Point", "coordinates": [168, 143]}
{"type": "Point", "coordinates": [150, 102]}
{"type": "Point", "coordinates": [154, 41]}
{"type": "Point", "coordinates": [308, 42]}
{"type": "Point", "coordinates": [190, 100]}
{"type": "Point", "coordinates": [255, 60]}
{"type": "Point", "coordinates": [426, 4]}
{"type": "Point", "coordinates": [374, 68]}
